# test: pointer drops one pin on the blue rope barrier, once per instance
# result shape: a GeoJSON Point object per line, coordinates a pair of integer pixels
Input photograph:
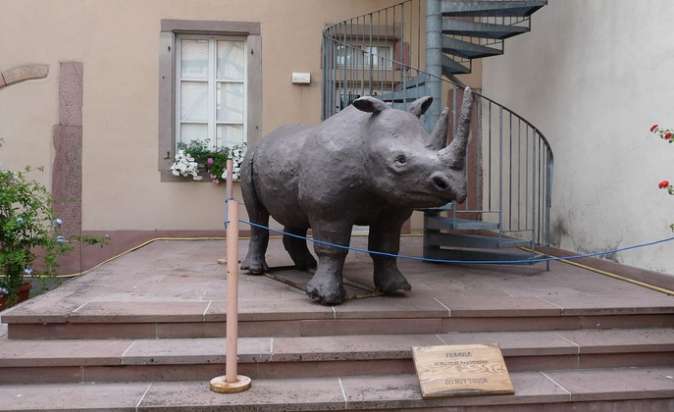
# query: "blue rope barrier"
{"type": "Point", "coordinates": [457, 261]}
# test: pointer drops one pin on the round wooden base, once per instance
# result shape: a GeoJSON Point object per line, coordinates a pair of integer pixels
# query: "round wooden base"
{"type": "Point", "coordinates": [219, 384]}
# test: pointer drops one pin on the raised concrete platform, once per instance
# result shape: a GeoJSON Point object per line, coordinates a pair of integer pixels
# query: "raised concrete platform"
{"type": "Point", "coordinates": [144, 333]}
{"type": "Point", "coordinates": [143, 294]}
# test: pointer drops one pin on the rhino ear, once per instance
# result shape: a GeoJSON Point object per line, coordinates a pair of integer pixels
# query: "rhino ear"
{"type": "Point", "coordinates": [369, 104]}
{"type": "Point", "coordinates": [419, 106]}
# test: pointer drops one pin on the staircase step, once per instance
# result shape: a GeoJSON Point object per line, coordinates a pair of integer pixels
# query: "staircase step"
{"type": "Point", "coordinates": [469, 241]}
{"type": "Point", "coordinates": [451, 223]}
{"type": "Point", "coordinates": [451, 67]}
{"type": "Point", "coordinates": [419, 313]}
{"type": "Point", "coordinates": [301, 357]}
{"type": "Point", "coordinates": [466, 49]}
{"type": "Point", "coordinates": [486, 30]}
{"type": "Point", "coordinates": [491, 8]}
{"type": "Point", "coordinates": [616, 389]}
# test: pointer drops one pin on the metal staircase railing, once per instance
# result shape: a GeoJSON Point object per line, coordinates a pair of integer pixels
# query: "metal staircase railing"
{"type": "Point", "coordinates": [509, 161]}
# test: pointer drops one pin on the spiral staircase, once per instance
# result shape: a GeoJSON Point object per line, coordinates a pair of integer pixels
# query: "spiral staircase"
{"type": "Point", "coordinates": [418, 48]}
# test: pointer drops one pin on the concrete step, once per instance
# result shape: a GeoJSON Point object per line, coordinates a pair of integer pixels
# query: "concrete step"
{"type": "Point", "coordinates": [461, 240]}
{"type": "Point", "coordinates": [621, 389]}
{"type": "Point", "coordinates": [419, 313]}
{"type": "Point", "coordinates": [491, 8]}
{"type": "Point", "coordinates": [188, 359]}
{"type": "Point", "coordinates": [455, 223]}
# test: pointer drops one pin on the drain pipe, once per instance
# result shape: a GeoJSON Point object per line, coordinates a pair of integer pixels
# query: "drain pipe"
{"type": "Point", "coordinates": [434, 60]}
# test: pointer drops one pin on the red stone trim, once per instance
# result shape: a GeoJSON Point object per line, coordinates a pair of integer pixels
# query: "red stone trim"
{"type": "Point", "coordinates": [67, 168]}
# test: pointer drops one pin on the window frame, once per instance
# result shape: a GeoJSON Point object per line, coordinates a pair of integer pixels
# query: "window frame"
{"type": "Point", "coordinates": [170, 29]}
{"type": "Point", "coordinates": [212, 81]}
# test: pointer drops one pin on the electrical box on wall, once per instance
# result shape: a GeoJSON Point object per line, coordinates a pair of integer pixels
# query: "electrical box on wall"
{"type": "Point", "coordinates": [301, 78]}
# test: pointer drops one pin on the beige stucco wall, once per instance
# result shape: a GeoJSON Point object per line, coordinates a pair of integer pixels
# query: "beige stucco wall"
{"type": "Point", "coordinates": [593, 76]}
{"type": "Point", "coordinates": [117, 41]}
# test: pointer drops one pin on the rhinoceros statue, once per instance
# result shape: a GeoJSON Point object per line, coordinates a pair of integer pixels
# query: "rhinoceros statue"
{"type": "Point", "coordinates": [369, 164]}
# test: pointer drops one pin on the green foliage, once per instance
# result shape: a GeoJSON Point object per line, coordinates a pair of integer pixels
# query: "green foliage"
{"type": "Point", "coordinates": [214, 161]}
{"type": "Point", "coordinates": [29, 231]}
{"type": "Point", "coordinates": [27, 223]}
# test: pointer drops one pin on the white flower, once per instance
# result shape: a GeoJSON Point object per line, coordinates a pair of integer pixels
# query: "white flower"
{"type": "Point", "coordinates": [184, 165]}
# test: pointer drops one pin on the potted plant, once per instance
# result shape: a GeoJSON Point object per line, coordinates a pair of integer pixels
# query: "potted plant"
{"type": "Point", "coordinates": [198, 158]}
{"type": "Point", "coordinates": [27, 225]}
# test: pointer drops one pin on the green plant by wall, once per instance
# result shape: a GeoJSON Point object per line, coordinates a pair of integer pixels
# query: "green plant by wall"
{"type": "Point", "coordinates": [27, 224]}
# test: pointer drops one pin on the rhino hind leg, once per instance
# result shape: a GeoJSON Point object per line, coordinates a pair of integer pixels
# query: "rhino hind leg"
{"type": "Point", "coordinates": [385, 237]}
{"type": "Point", "coordinates": [254, 262]}
{"type": "Point", "coordinates": [297, 249]}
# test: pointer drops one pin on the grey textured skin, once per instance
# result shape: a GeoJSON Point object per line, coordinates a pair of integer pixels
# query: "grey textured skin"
{"type": "Point", "coordinates": [367, 165]}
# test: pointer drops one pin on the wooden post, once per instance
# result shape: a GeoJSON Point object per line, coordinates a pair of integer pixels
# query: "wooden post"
{"type": "Point", "coordinates": [229, 183]}
{"type": "Point", "coordinates": [231, 382]}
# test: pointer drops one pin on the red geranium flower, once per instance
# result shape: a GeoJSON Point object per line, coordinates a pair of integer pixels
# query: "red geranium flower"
{"type": "Point", "coordinates": [668, 135]}
{"type": "Point", "coordinates": [664, 184]}
{"type": "Point", "coordinates": [654, 128]}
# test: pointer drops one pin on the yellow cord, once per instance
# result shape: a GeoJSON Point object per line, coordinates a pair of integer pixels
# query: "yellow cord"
{"type": "Point", "coordinates": [606, 273]}
{"type": "Point", "coordinates": [147, 242]}
{"type": "Point", "coordinates": [133, 249]}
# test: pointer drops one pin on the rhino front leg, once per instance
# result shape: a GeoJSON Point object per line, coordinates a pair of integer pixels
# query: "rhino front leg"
{"type": "Point", "coordinates": [326, 287]}
{"type": "Point", "coordinates": [385, 237]}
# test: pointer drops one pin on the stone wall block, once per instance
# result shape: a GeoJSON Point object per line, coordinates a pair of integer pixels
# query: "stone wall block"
{"type": "Point", "coordinates": [70, 94]}
{"type": "Point", "coordinates": [24, 72]}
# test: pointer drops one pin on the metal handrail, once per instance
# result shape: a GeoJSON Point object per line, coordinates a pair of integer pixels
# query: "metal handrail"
{"type": "Point", "coordinates": [395, 77]}
{"type": "Point", "coordinates": [394, 62]}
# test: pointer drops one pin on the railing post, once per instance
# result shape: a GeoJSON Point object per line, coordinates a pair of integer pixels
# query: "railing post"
{"type": "Point", "coordinates": [433, 60]}
{"type": "Point", "coordinates": [228, 196]}
{"type": "Point", "coordinates": [231, 382]}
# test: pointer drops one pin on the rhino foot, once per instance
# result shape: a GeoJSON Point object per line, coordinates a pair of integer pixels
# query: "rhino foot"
{"type": "Point", "coordinates": [254, 265]}
{"type": "Point", "coordinates": [325, 291]}
{"type": "Point", "coordinates": [391, 282]}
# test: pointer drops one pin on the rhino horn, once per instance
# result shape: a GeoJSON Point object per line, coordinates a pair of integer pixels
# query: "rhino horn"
{"type": "Point", "coordinates": [438, 137]}
{"type": "Point", "coordinates": [455, 153]}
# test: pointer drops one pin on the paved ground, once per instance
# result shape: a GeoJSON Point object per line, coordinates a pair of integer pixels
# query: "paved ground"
{"type": "Point", "coordinates": [183, 278]}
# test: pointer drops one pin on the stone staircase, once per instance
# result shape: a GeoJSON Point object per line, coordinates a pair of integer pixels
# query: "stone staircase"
{"type": "Point", "coordinates": [160, 356]}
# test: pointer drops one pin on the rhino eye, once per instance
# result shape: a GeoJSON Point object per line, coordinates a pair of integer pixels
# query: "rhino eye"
{"type": "Point", "coordinates": [400, 160]}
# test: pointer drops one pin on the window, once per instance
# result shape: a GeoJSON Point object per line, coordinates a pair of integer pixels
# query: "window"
{"type": "Point", "coordinates": [357, 56]}
{"type": "Point", "coordinates": [210, 85]}
{"type": "Point", "coordinates": [211, 90]}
